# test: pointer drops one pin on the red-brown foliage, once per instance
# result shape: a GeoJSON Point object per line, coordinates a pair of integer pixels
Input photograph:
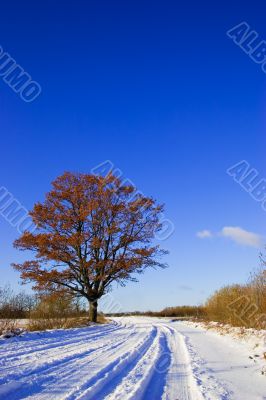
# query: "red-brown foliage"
{"type": "Point", "coordinates": [91, 231]}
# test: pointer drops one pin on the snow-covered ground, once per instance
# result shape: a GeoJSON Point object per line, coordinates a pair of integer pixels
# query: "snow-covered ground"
{"type": "Point", "coordinates": [131, 358]}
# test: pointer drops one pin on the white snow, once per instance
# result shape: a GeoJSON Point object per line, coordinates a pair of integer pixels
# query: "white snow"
{"type": "Point", "coordinates": [132, 358]}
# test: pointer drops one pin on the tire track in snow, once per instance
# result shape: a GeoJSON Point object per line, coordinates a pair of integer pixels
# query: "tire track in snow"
{"type": "Point", "coordinates": [77, 379]}
{"type": "Point", "coordinates": [47, 342]}
{"type": "Point", "coordinates": [49, 371]}
{"type": "Point", "coordinates": [52, 355]}
{"type": "Point", "coordinates": [135, 359]}
{"type": "Point", "coordinates": [109, 377]}
{"type": "Point", "coordinates": [180, 382]}
{"type": "Point", "coordinates": [135, 382]}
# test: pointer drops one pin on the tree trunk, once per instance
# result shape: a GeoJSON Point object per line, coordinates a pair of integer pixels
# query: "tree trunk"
{"type": "Point", "coordinates": [93, 311]}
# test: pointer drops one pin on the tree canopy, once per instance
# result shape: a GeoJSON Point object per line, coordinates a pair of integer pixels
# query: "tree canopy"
{"type": "Point", "coordinates": [90, 231]}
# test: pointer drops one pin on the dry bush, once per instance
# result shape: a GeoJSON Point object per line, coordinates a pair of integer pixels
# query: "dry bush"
{"type": "Point", "coordinates": [13, 306]}
{"type": "Point", "coordinates": [220, 306]}
{"type": "Point", "coordinates": [257, 294]}
{"type": "Point", "coordinates": [240, 305]}
{"type": "Point", "coordinates": [56, 323]}
{"type": "Point", "coordinates": [257, 289]}
{"type": "Point", "coordinates": [101, 318]}
{"type": "Point", "coordinates": [56, 311]}
{"type": "Point", "coordinates": [8, 327]}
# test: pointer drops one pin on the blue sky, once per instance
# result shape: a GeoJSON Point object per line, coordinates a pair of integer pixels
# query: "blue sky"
{"type": "Point", "coordinates": [159, 89]}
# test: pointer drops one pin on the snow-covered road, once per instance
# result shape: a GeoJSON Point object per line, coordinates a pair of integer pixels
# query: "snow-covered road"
{"type": "Point", "coordinates": [131, 358]}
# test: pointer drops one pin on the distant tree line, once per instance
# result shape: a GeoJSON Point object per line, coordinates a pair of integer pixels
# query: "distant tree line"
{"type": "Point", "coordinates": [178, 311]}
{"type": "Point", "coordinates": [237, 305]}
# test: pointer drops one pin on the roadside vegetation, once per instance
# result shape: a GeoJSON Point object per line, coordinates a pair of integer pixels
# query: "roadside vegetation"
{"type": "Point", "coordinates": [237, 305]}
{"type": "Point", "coordinates": [240, 305]}
{"type": "Point", "coordinates": [40, 312]}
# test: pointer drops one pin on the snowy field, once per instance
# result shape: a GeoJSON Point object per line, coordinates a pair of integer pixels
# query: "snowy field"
{"type": "Point", "coordinates": [131, 358]}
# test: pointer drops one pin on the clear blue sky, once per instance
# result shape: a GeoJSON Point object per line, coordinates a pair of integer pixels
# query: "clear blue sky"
{"type": "Point", "coordinates": [160, 90]}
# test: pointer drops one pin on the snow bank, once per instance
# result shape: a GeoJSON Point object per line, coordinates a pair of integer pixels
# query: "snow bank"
{"type": "Point", "coordinates": [252, 340]}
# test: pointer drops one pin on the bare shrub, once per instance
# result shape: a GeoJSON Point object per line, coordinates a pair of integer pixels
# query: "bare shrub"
{"type": "Point", "coordinates": [101, 318]}
{"type": "Point", "coordinates": [8, 327]}
{"type": "Point", "coordinates": [13, 306]}
{"type": "Point", "coordinates": [240, 305]}
{"type": "Point", "coordinates": [56, 323]}
{"type": "Point", "coordinates": [56, 311]}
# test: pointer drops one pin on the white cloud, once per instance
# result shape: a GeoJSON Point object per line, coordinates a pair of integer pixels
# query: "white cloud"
{"type": "Point", "coordinates": [241, 236]}
{"type": "Point", "coordinates": [204, 234]}
{"type": "Point", "coordinates": [236, 234]}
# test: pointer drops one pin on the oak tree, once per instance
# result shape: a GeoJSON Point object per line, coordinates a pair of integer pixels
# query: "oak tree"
{"type": "Point", "coordinates": [91, 231]}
